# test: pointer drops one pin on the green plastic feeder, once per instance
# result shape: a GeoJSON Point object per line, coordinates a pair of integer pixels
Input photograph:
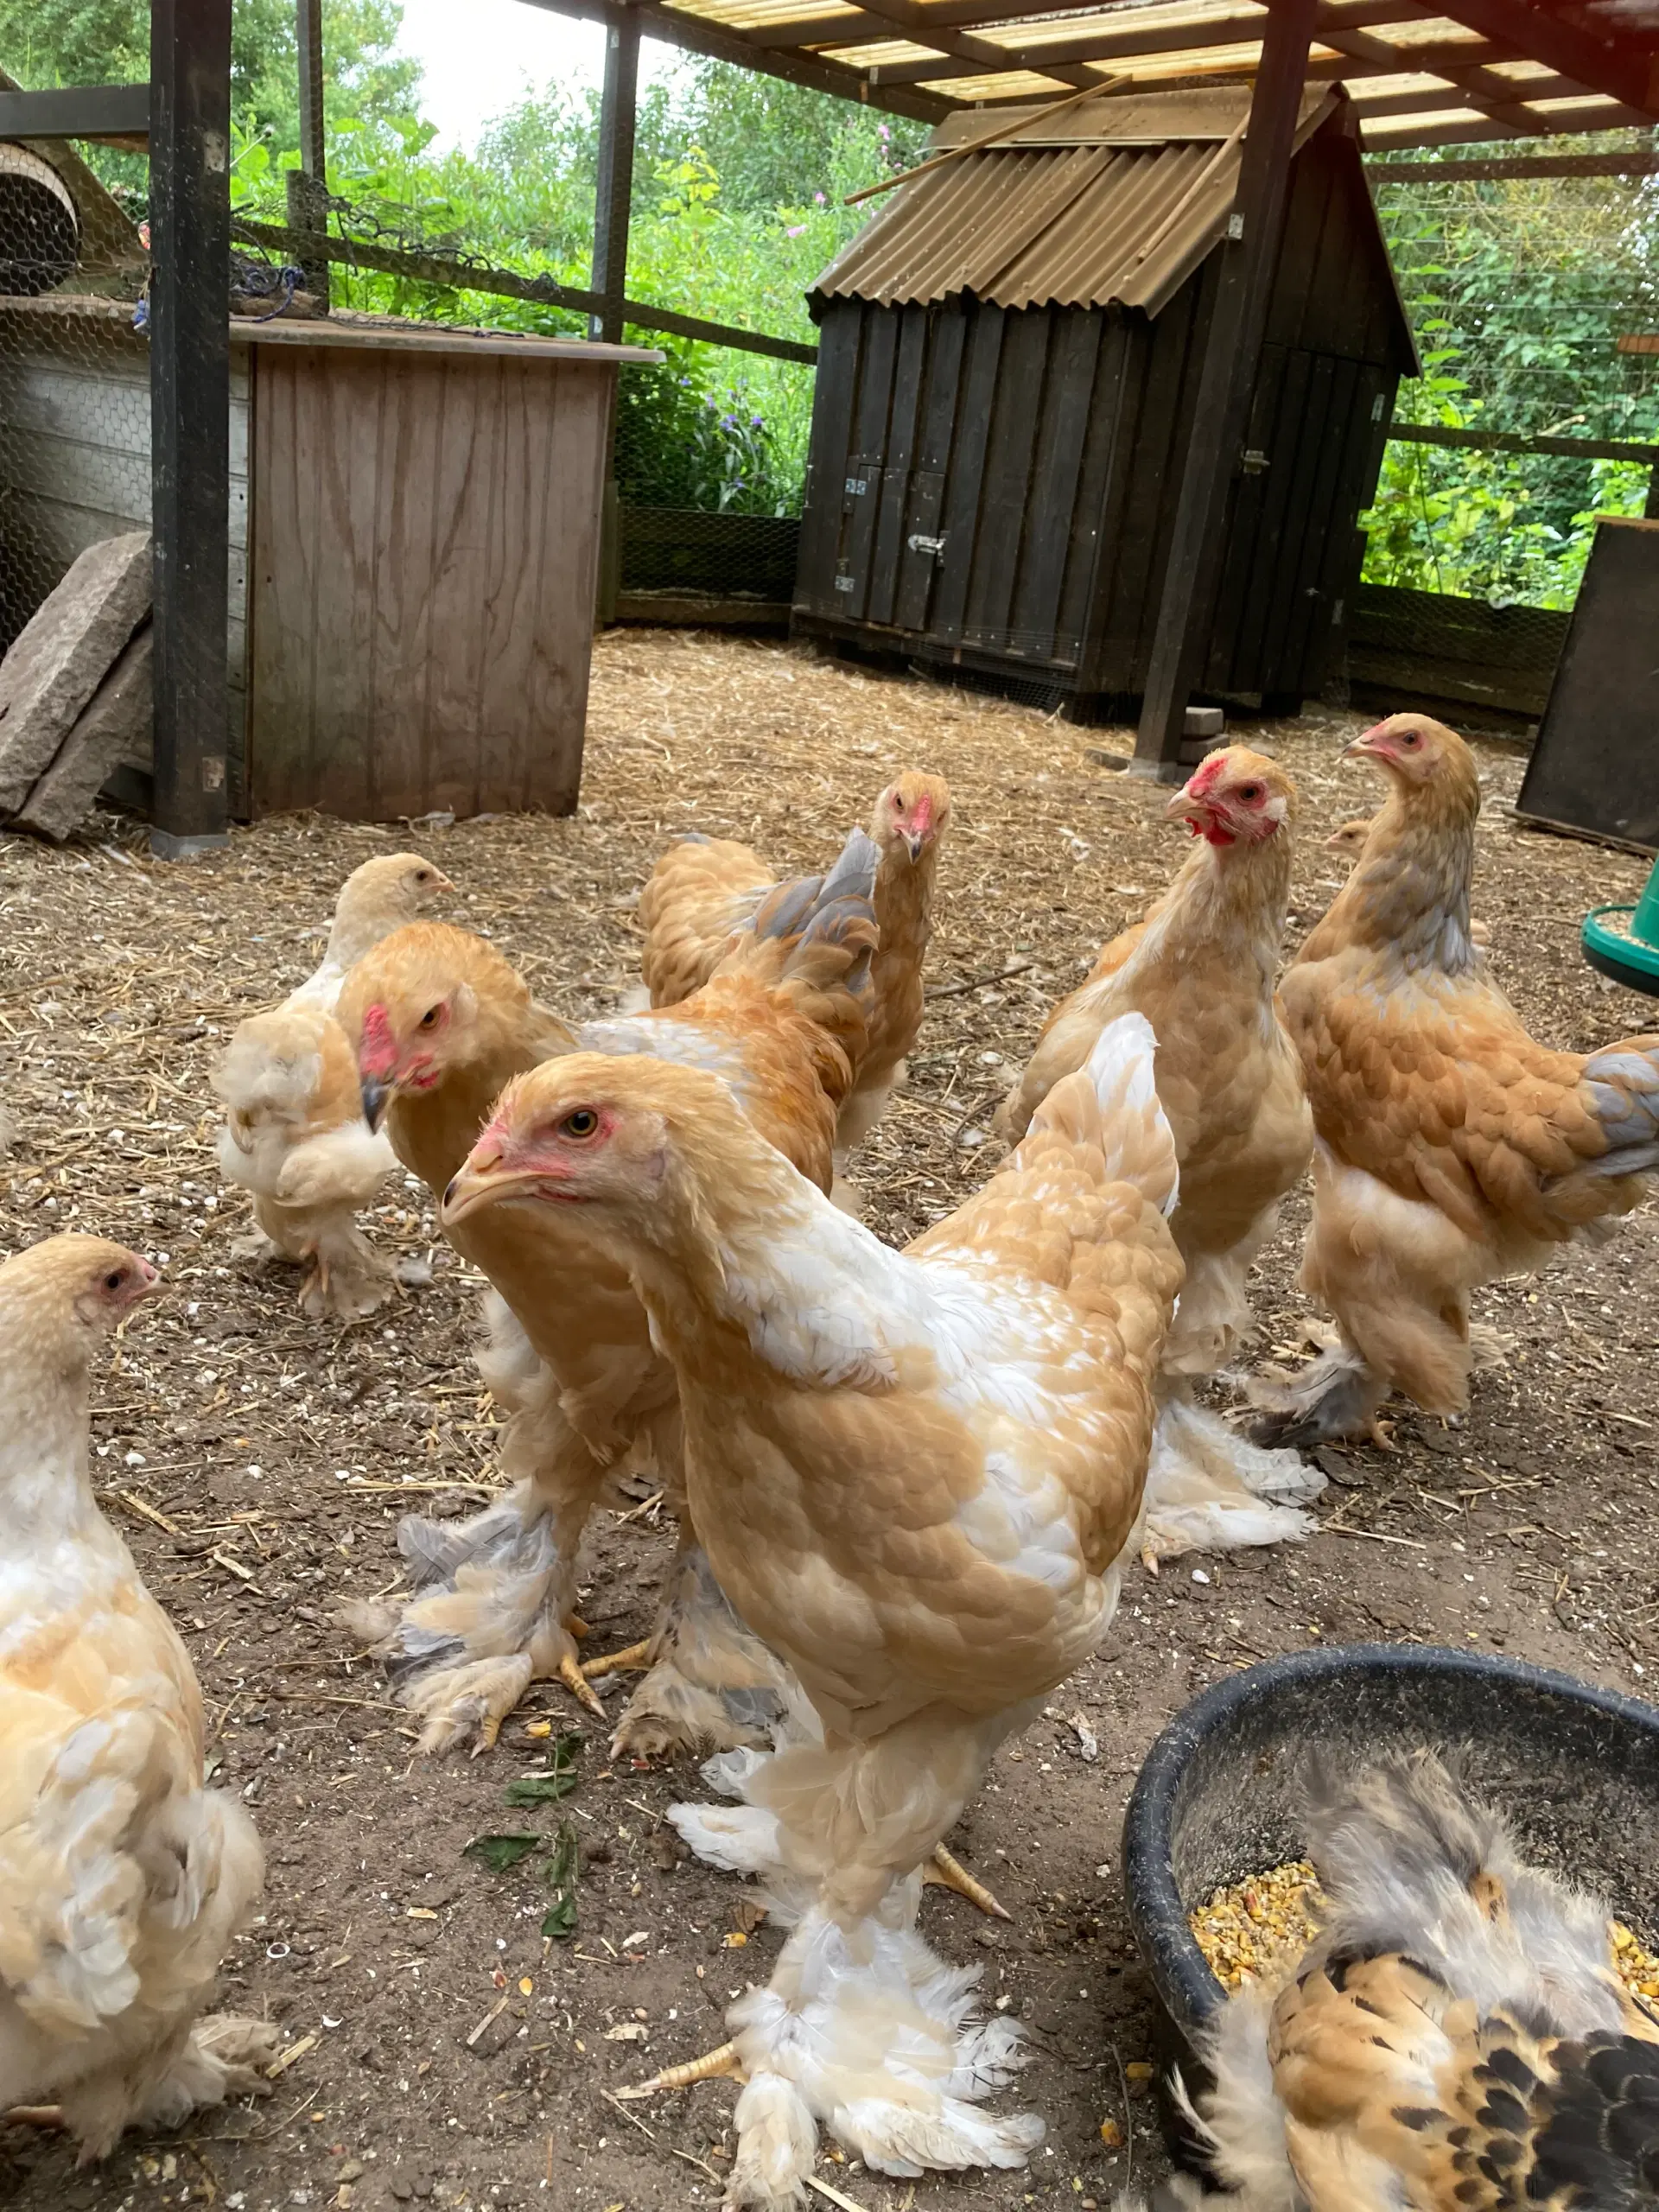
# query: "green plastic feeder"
{"type": "Point", "coordinates": [1623, 942]}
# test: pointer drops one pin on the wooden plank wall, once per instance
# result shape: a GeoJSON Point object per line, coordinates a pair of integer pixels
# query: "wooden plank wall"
{"type": "Point", "coordinates": [74, 467]}
{"type": "Point", "coordinates": [1042, 447]}
{"type": "Point", "coordinates": [424, 563]}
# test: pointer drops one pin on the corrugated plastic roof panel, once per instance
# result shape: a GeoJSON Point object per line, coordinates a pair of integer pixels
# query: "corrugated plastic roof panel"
{"type": "Point", "coordinates": [1121, 208]}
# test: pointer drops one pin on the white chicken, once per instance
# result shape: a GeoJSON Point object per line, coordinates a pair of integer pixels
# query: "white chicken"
{"type": "Point", "coordinates": [121, 1879]}
{"type": "Point", "coordinates": [293, 1136]}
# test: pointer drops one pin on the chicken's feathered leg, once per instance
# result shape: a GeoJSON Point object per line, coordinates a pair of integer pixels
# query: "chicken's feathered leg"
{"type": "Point", "coordinates": [492, 1596]}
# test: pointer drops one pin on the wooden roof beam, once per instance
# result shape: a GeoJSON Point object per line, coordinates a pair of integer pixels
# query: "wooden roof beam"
{"type": "Point", "coordinates": [691, 35]}
{"type": "Point", "coordinates": [1625, 72]}
{"type": "Point", "coordinates": [1496, 96]}
{"type": "Point", "coordinates": [849, 28]}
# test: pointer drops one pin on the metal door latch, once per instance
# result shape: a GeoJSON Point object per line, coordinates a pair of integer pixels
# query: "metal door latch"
{"type": "Point", "coordinates": [1256, 462]}
{"type": "Point", "coordinates": [917, 543]}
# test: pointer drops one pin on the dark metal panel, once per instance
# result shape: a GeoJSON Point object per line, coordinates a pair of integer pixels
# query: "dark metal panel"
{"type": "Point", "coordinates": [832, 418]}
{"type": "Point", "coordinates": [961, 511]}
{"type": "Point", "coordinates": [1008, 523]}
{"type": "Point", "coordinates": [1062, 527]}
{"type": "Point", "coordinates": [891, 522]}
{"type": "Point", "coordinates": [1595, 765]}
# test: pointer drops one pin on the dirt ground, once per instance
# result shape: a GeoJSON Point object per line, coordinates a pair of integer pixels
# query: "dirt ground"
{"type": "Point", "coordinates": [441, 2051]}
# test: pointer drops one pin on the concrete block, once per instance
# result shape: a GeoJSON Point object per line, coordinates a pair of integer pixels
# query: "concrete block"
{"type": "Point", "coordinates": [69, 645]}
{"type": "Point", "coordinates": [1208, 722]}
{"type": "Point", "coordinates": [114, 722]}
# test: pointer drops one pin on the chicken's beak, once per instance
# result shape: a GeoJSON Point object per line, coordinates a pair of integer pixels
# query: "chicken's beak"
{"type": "Point", "coordinates": [481, 1183]}
{"type": "Point", "coordinates": [915, 840]}
{"type": "Point", "coordinates": [1189, 805]}
{"type": "Point", "coordinates": [1365, 748]}
{"type": "Point", "coordinates": [375, 1095]}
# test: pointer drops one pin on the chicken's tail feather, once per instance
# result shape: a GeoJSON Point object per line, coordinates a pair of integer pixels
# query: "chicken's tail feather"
{"type": "Point", "coordinates": [1135, 1136]}
{"type": "Point", "coordinates": [1624, 1086]}
{"type": "Point", "coordinates": [1411, 1863]}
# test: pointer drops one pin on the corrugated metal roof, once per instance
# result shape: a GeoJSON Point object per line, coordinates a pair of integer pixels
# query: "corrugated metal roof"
{"type": "Point", "coordinates": [1115, 202]}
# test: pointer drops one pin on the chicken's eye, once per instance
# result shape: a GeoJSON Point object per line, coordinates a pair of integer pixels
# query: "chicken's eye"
{"type": "Point", "coordinates": [1249, 793]}
{"type": "Point", "coordinates": [582, 1123]}
{"type": "Point", "coordinates": [1410, 737]}
{"type": "Point", "coordinates": [431, 1017]}
{"type": "Point", "coordinates": [116, 1279]}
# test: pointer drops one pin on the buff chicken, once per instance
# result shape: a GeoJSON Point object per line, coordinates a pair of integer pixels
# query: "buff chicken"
{"type": "Point", "coordinates": [915, 1475]}
{"type": "Point", "coordinates": [294, 1136]}
{"type": "Point", "coordinates": [1453, 1148]}
{"type": "Point", "coordinates": [1350, 841]}
{"type": "Point", "coordinates": [122, 1881]}
{"type": "Point", "coordinates": [1456, 2038]}
{"type": "Point", "coordinates": [1201, 968]}
{"type": "Point", "coordinates": [703, 889]}
{"type": "Point", "coordinates": [441, 1022]}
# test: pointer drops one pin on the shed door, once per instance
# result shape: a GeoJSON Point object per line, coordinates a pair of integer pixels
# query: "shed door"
{"type": "Point", "coordinates": [861, 500]}
{"type": "Point", "coordinates": [922, 554]}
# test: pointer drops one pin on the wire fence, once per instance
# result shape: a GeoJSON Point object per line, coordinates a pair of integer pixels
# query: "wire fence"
{"type": "Point", "coordinates": [75, 370]}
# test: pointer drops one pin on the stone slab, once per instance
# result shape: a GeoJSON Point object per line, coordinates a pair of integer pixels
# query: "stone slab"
{"type": "Point", "coordinates": [113, 722]}
{"type": "Point", "coordinates": [63, 654]}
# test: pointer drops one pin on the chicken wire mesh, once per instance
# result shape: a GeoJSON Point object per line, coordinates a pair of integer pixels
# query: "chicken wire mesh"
{"type": "Point", "coordinates": [74, 369]}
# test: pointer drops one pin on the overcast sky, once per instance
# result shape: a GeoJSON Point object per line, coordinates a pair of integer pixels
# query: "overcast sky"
{"type": "Point", "coordinates": [480, 57]}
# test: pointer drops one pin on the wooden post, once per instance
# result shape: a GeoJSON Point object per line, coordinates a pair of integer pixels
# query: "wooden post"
{"type": "Point", "coordinates": [308, 185]}
{"type": "Point", "coordinates": [307, 40]}
{"type": "Point", "coordinates": [190, 416]}
{"type": "Point", "coordinates": [1226, 384]}
{"type": "Point", "coordinates": [611, 203]}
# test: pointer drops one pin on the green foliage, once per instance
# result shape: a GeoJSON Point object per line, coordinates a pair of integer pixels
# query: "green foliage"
{"type": "Point", "coordinates": [561, 1872]}
{"type": "Point", "coordinates": [558, 1782]}
{"type": "Point", "coordinates": [500, 1853]}
{"type": "Point", "coordinates": [1518, 292]}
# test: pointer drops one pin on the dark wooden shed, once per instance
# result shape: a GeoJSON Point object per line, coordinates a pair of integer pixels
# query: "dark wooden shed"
{"type": "Point", "coordinates": [1008, 361]}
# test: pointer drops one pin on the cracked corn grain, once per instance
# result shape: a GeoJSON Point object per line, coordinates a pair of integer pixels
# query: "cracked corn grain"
{"type": "Point", "coordinates": [1245, 1927]}
{"type": "Point", "coordinates": [1247, 1924]}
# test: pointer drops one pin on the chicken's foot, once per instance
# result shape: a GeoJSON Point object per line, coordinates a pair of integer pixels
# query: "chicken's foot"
{"type": "Point", "coordinates": [637, 1657]}
{"type": "Point", "coordinates": [944, 1872]}
{"type": "Point", "coordinates": [721, 2065]}
{"type": "Point", "coordinates": [571, 1674]}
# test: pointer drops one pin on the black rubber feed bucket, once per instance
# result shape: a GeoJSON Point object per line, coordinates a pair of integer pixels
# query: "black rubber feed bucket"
{"type": "Point", "coordinates": [1574, 1770]}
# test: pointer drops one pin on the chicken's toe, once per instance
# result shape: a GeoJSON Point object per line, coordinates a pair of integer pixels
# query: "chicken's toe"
{"type": "Point", "coordinates": [944, 1872]}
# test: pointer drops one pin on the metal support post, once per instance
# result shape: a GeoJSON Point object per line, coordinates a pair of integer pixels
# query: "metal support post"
{"type": "Point", "coordinates": [616, 123]}
{"type": "Point", "coordinates": [190, 416]}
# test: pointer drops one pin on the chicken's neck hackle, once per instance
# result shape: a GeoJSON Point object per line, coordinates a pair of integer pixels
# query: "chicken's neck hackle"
{"type": "Point", "coordinates": [1409, 896]}
{"type": "Point", "coordinates": [46, 1490]}
{"type": "Point", "coordinates": [1230, 898]}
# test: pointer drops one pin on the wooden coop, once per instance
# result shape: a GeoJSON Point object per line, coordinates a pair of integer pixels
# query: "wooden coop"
{"type": "Point", "coordinates": [414, 534]}
{"type": "Point", "coordinates": [1008, 364]}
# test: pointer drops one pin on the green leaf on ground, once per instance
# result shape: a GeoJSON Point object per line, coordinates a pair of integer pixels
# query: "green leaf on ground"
{"type": "Point", "coordinates": [498, 1852]}
{"type": "Point", "coordinates": [563, 1868]}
